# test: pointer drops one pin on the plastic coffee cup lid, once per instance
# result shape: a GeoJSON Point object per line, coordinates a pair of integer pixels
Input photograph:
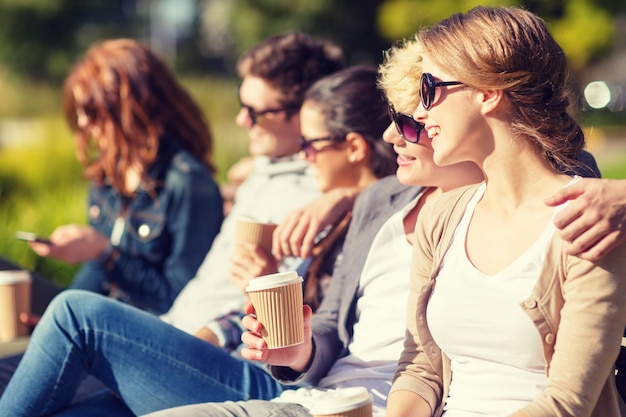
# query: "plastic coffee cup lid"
{"type": "Point", "coordinates": [250, 219]}
{"type": "Point", "coordinates": [14, 277]}
{"type": "Point", "coordinates": [280, 279]}
{"type": "Point", "coordinates": [340, 400]}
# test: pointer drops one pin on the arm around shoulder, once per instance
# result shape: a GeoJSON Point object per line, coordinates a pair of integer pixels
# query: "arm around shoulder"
{"type": "Point", "coordinates": [594, 221]}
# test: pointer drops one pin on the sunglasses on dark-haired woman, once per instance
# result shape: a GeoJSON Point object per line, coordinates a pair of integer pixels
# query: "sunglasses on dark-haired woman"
{"type": "Point", "coordinates": [306, 145]}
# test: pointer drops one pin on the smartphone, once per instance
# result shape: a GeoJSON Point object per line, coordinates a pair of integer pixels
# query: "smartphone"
{"type": "Point", "coordinates": [31, 237]}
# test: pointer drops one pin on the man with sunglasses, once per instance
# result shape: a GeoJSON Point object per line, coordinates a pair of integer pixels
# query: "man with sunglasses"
{"type": "Point", "coordinates": [275, 75]}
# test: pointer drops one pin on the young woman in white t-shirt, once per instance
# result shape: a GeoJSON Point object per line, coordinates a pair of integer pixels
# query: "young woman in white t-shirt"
{"type": "Point", "coordinates": [502, 321]}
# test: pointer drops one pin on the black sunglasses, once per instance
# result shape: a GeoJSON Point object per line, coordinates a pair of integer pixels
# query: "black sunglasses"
{"type": "Point", "coordinates": [409, 128]}
{"type": "Point", "coordinates": [307, 148]}
{"type": "Point", "coordinates": [256, 116]}
{"type": "Point", "coordinates": [428, 89]}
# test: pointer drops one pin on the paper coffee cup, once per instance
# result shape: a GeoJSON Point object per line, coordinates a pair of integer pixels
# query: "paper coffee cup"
{"type": "Point", "coordinates": [343, 402]}
{"type": "Point", "coordinates": [255, 231]}
{"type": "Point", "coordinates": [277, 300]}
{"type": "Point", "coordinates": [14, 299]}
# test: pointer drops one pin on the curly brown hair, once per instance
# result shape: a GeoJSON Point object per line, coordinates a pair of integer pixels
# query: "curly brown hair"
{"type": "Point", "coordinates": [131, 100]}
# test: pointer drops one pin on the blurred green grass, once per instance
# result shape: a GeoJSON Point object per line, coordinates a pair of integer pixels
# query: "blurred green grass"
{"type": "Point", "coordinates": [617, 170]}
{"type": "Point", "coordinates": [40, 187]}
{"type": "Point", "coordinates": [41, 184]}
{"type": "Point", "coordinates": [608, 145]}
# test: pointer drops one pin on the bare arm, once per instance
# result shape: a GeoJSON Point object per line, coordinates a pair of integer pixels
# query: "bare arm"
{"type": "Point", "coordinates": [407, 404]}
{"type": "Point", "coordinates": [73, 243]}
{"type": "Point", "coordinates": [594, 221]}
{"type": "Point", "coordinates": [207, 335]}
{"type": "Point", "coordinates": [295, 235]}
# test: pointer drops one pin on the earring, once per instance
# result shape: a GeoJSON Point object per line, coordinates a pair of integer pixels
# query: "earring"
{"type": "Point", "coordinates": [352, 158]}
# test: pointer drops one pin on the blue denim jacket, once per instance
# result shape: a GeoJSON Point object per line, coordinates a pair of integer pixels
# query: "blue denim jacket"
{"type": "Point", "coordinates": [163, 235]}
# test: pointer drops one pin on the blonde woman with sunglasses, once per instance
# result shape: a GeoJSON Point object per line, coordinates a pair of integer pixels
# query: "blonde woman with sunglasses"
{"type": "Point", "coordinates": [501, 321]}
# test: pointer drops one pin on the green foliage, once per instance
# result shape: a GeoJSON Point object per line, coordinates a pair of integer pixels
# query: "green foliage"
{"type": "Point", "coordinates": [40, 187]}
{"type": "Point", "coordinates": [583, 17]}
{"type": "Point", "coordinates": [569, 20]}
{"type": "Point", "coordinates": [607, 142]}
{"type": "Point", "coordinates": [40, 39]}
{"type": "Point", "coordinates": [344, 22]}
{"type": "Point", "coordinates": [250, 18]}
{"type": "Point", "coordinates": [22, 98]}
{"type": "Point", "coordinates": [44, 8]}
{"type": "Point", "coordinates": [616, 171]}
{"type": "Point", "coordinates": [217, 97]}
{"type": "Point", "coordinates": [399, 19]}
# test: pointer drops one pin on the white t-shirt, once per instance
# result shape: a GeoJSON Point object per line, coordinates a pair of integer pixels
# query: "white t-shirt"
{"type": "Point", "coordinates": [273, 190]}
{"type": "Point", "coordinates": [380, 319]}
{"type": "Point", "coordinates": [496, 353]}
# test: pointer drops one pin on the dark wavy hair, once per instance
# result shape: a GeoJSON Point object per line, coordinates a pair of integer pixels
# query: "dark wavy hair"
{"type": "Point", "coordinates": [131, 100]}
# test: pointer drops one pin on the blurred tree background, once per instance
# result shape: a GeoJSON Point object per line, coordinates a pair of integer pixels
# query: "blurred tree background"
{"type": "Point", "coordinates": [40, 180]}
{"type": "Point", "coordinates": [40, 39]}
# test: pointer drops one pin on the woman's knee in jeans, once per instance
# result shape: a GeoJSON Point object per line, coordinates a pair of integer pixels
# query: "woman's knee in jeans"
{"type": "Point", "coordinates": [73, 307]}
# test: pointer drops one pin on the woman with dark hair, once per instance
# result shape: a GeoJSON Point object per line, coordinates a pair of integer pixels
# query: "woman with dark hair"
{"type": "Point", "coordinates": [342, 120]}
{"type": "Point", "coordinates": [154, 206]}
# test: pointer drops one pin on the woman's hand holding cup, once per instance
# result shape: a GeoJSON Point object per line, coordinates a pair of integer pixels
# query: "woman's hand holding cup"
{"type": "Point", "coordinates": [295, 357]}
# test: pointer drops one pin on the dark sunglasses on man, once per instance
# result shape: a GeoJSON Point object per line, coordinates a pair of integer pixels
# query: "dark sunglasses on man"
{"type": "Point", "coordinates": [256, 116]}
{"type": "Point", "coordinates": [409, 128]}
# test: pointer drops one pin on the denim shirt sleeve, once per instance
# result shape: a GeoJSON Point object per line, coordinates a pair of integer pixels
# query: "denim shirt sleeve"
{"type": "Point", "coordinates": [193, 218]}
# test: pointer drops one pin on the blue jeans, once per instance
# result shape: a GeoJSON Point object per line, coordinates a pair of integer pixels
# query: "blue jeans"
{"type": "Point", "coordinates": [236, 409]}
{"type": "Point", "coordinates": [147, 363]}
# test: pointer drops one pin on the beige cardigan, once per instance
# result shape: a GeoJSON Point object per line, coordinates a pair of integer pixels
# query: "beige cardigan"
{"type": "Point", "coordinates": [578, 307]}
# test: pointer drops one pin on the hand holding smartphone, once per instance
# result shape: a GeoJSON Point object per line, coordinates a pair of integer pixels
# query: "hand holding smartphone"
{"type": "Point", "coordinates": [32, 237]}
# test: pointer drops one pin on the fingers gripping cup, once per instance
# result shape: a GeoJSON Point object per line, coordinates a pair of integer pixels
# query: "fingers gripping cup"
{"type": "Point", "coordinates": [14, 299]}
{"type": "Point", "coordinates": [277, 300]}
{"type": "Point", "coordinates": [343, 402]}
{"type": "Point", "coordinates": [255, 231]}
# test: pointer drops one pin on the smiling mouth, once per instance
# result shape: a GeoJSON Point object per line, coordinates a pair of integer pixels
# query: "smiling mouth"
{"type": "Point", "coordinates": [433, 131]}
{"type": "Point", "coordinates": [406, 158]}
